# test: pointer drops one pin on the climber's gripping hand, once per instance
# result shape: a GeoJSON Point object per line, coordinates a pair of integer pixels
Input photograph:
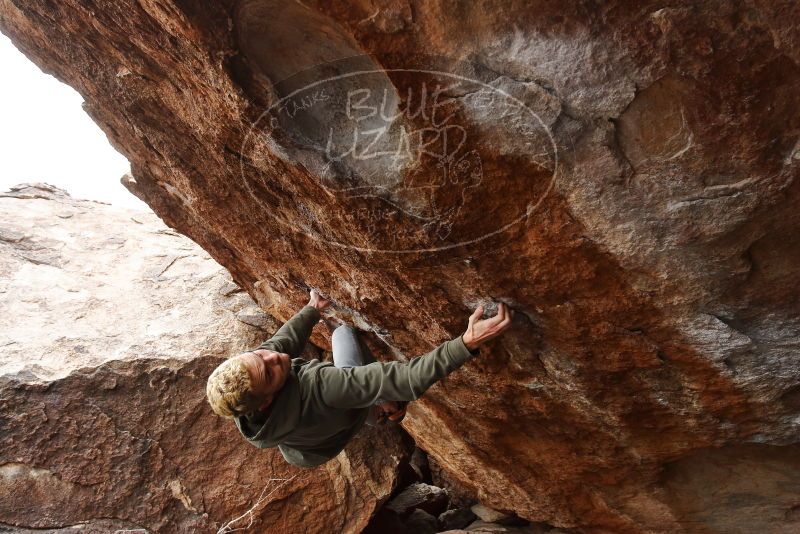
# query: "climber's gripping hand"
{"type": "Point", "coordinates": [480, 331]}
{"type": "Point", "coordinates": [317, 301]}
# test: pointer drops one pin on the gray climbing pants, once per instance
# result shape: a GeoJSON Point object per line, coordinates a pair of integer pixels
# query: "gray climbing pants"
{"type": "Point", "coordinates": [348, 351]}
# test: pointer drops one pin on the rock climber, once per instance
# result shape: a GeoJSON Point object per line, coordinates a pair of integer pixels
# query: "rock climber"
{"type": "Point", "coordinates": [311, 409]}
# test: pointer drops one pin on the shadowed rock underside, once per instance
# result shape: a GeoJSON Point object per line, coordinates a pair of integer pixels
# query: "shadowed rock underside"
{"type": "Point", "coordinates": [637, 208]}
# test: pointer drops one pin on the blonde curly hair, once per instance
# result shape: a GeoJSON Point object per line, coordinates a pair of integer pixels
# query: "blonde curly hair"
{"type": "Point", "coordinates": [228, 389]}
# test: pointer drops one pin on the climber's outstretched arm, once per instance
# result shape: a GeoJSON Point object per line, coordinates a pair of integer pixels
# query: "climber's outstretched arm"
{"type": "Point", "coordinates": [359, 387]}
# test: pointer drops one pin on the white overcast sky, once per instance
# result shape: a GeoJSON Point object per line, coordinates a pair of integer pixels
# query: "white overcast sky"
{"type": "Point", "coordinates": [45, 136]}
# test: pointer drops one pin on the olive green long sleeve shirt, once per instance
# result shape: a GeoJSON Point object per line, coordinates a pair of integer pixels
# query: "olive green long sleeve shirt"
{"type": "Point", "coordinates": [321, 407]}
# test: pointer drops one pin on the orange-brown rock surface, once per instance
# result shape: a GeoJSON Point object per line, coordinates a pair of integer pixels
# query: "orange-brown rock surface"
{"type": "Point", "coordinates": [110, 324]}
{"type": "Point", "coordinates": [622, 173]}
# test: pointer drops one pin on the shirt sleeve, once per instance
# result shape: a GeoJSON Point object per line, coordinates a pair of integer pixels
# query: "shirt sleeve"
{"type": "Point", "coordinates": [359, 387]}
{"type": "Point", "coordinates": [292, 337]}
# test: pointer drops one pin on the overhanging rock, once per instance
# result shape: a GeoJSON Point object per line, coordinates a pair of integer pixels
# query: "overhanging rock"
{"type": "Point", "coordinates": [624, 176]}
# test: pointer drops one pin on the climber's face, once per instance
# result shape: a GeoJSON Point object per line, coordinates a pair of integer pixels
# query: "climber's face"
{"type": "Point", "coordinates": [268, 372]}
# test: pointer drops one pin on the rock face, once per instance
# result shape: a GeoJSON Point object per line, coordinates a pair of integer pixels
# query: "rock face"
{"type": "Point", "coordinates": [623, 174]}
{"type": "Point", "coordinates": [112, 324]}
{"type": "Point", "coordinates": [84, 283]}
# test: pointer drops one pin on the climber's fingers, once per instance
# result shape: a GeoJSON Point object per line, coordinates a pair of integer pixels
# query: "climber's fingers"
{"type": "Point", "coordinates": [507, 316]}
{"type": "Point", "coordinates": [499, 323]}
{"type": "Point", "coordinates": [498, 319]}
{"type": "Point", "coordinates": [486, 329]}
{"type": "Point", "coordinates": [477, 314]}
{"type": "Point", "coordinates": [318, 301]}
{"type": "Point", "coordinates": [502, 313]}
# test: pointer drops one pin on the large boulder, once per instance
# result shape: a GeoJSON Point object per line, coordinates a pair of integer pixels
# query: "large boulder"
{"type": "Point", "coordinates": [623, 174]}
{"type": "Point", "coordinates": [111, 324]}
{"type": "Point", "coordinates": [84, 282]}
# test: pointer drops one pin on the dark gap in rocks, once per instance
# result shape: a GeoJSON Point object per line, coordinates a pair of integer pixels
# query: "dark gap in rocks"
{"type": "Point", "coordinates": [427, 500]}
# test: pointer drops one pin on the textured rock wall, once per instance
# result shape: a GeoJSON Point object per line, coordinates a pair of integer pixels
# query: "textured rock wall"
{"type": "Point", "coordinates": [111, 324]}
{"type": "Point", "coordinates": [624, 175]}
{"type": "Point", "coordinates": [84, 282]}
